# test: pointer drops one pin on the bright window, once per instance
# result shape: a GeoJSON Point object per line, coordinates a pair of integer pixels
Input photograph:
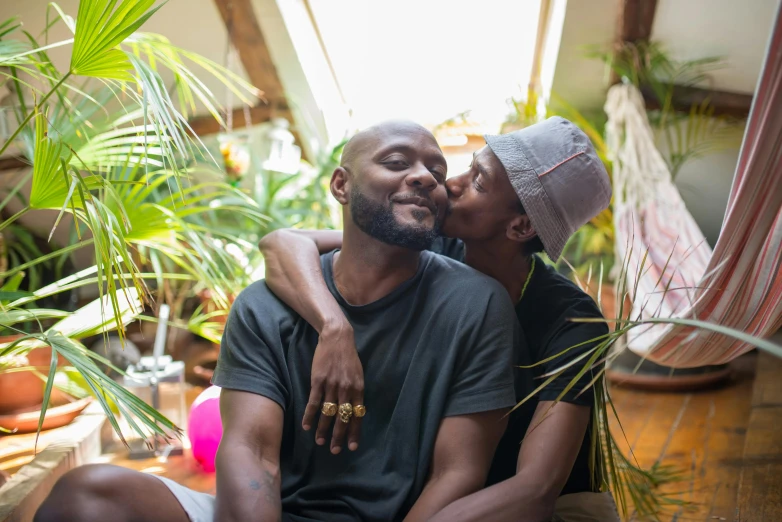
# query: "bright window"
{"type": "Point", "coordinates": [428, 60]}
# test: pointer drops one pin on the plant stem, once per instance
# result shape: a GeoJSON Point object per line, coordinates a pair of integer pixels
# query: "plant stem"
{"type": "Point", "coordinates": [32, 113]}
{"type": "Point", "coordinates": [14, 218]}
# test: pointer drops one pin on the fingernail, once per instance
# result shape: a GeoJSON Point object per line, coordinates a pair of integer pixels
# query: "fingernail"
{"type": "Point", "coordinates": [306, 427]}
{"type": "Point", "coordinates": [353, 446]}
{"type": "Point", "coordinates": [320, 442]}
{"type": "Point", "coordinates": [336, 450]}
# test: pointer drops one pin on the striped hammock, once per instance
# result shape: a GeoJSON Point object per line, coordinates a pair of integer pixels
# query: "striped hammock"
{"type": "Point", "coordinates": [739, 284]}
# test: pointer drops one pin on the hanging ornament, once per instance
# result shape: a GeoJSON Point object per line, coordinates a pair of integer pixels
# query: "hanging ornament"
{"type": "Point", "coordinates": [235, 150]}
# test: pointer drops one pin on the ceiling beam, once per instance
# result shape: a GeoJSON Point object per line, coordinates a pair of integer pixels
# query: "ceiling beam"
{"type": "Point", "coordinates": [724, 103]}
{"type": "Point", "coordinates": [246, 36]}
{"type": "Point", "coordinates": [205, 125]}
{"type": "Point", "coordinates": [635, 20]}
{"type": "Point", "coordinates": [633, 24]}
{"type": "Point", "coordinates": [13, 163]}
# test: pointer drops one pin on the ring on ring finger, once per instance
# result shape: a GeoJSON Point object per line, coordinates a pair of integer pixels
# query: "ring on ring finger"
{"type": "Point", "coordinates": [345, 412]}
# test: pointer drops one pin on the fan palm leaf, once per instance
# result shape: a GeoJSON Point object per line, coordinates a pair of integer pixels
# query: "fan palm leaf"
{"type": "Point", "coordinates": [101, 25]}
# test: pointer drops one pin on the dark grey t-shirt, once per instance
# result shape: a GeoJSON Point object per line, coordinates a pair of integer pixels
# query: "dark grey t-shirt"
{"type": "Point", "coordinates": [430, 349]}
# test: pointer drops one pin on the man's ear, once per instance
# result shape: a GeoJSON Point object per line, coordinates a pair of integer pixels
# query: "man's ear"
{"type": "Point", "coordinates": [520, 229]}
{"type": "Point", "coordinates": [340, 185]}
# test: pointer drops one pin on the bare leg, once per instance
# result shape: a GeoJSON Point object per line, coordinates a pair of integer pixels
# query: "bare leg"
{"type": "Point", "coordinates": [101, 492]}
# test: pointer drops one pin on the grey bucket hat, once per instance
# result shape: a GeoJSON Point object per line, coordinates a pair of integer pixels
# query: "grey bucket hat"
{"type": "Point", "coordinates": [557, 175]}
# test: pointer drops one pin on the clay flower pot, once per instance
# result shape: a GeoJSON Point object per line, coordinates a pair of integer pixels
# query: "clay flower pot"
{"type": "Point", "coordinates": [23, 391]}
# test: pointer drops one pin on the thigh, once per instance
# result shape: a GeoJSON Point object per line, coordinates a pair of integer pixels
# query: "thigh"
{"type": "Point", "coordinates": [101, 492]}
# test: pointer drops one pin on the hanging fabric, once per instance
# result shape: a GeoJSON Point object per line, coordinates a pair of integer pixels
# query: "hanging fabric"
{"type": "Point", "coordinates": [739, 284]}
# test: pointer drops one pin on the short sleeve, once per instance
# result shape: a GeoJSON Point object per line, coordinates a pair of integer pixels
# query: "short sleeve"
{"type": "Point", "coordinates": [251, 359]}
{"type": "Point", "coordinates": [484, 375]}
{"type": "Point", "coordinates": [575, 340]}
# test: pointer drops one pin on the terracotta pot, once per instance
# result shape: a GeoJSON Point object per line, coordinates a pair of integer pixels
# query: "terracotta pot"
{"type": "Point", "coordinates": [23, 391]}
{"type": "Point", "coordinates": [57, 415]}
{"type": "Point", "coordinates": [628, 370]}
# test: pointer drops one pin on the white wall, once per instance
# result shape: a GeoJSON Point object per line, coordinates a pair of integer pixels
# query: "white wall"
{"type": "Point", "coordinates": [737, 30]}
{"type": "Point", "coordinates": [579, 80]}
{"type": "Point", "coordinates": [704, 185]}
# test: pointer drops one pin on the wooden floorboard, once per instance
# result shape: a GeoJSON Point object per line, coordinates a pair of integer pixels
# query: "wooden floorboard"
{"type": "Point", "coordinates": [700, 433]}
{"type": "Point", "coordinates": [760, 488]}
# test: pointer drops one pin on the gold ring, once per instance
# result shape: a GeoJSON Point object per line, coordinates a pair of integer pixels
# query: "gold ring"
{"type": "Point", "coordinates": [329, 409]}
{"type": "Point", "coordinates": [359, 410]}
{"type": "Point", "coordinates": [345, 412]}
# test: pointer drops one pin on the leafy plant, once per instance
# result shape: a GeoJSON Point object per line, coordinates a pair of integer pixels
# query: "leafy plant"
{"type": "Point", "coordinates": [121, 159]}
{"type": "Point", "coordinates": [681, 136]}
{"type": "Point", "coordinates": [630, 484]}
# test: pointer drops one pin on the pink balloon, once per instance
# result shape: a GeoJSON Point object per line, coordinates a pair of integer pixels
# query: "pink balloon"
{"type": "Point", "coordinates": [204, 427]}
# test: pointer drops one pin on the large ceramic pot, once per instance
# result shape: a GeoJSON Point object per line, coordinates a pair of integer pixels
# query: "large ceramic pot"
{"type": "Point", "coordinates": [629, 370]}
{"type": "Point", "coordinates": [23, 391]}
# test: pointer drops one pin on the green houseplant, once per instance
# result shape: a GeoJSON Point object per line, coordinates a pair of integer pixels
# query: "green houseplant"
{"type": "Point", "coordinates": [110, 146]}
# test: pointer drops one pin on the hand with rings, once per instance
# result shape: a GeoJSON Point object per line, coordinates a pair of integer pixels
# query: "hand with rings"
{"type": "Point", "coordinates": [337, 378]}
{"type": "Point", "coordinates": [346, 412]}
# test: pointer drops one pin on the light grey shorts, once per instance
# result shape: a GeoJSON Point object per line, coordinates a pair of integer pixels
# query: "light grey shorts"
{"type": "Point", "coordinates": [577, 507]}
{"type": "Point", "coordinates": [200, 507]}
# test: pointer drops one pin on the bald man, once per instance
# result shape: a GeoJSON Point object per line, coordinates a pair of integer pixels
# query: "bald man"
{"type": "Point", "coordinates": [437, 367]}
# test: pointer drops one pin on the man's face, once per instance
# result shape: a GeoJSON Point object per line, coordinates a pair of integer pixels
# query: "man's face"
{"type": "Point", "coordinates": [398, 192]}
{"type": "Point", "coordinates": [481, 201]}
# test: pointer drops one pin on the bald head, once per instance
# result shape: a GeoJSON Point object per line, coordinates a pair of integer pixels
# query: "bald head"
{"type": "Point", "coordinates": [371, 139]}
{"type": "Point", "coordinates": [391, 182]}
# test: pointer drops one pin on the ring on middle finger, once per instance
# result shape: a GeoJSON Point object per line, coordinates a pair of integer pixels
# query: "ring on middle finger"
{"type": "Point", "coordinates": [329, 409]}
{"type": "Point", "coordinates": [345, 412]}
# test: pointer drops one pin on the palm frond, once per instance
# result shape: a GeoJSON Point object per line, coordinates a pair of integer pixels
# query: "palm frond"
{"type": "Point", "coordinates": [101, 25]}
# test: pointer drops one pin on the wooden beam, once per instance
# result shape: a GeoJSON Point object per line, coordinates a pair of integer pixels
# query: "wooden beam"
{"type": "Point", "coordinates": [725, 103]}
{"type": "Point", "coordinates": [205, 125]}
{"type": "Point", "coordinates": [13, 163]}
{"type": "Point", "coordinates": [635, 20]}
{"type": "Point", "coordinates": [247, 38]}
{"type": "Point", "coordinates": [633, 24]}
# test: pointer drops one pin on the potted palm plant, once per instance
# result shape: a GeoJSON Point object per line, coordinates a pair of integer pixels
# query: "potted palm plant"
{"type": "Point", "coordinates": [110, 147]}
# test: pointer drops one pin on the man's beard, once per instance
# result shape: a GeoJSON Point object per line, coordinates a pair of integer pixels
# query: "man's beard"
{"type": "Point", "coordinates": [379, 222]}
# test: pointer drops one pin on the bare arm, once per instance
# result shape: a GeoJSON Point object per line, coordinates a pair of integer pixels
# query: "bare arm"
{"type": "Point", "coordinates": [293, 263]}
{"type": "Point", "coordinates": [248, 461]}
{"type": "Point", "coordinates": [545, 461]}
{"type": "Point", "coordinates": [463, 453]}
{"type": "Point", "coordinates": [293, 273]}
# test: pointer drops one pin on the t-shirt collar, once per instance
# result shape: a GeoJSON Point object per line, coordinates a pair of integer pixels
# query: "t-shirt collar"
{"type": "Point", "coordinates": [327, 265]}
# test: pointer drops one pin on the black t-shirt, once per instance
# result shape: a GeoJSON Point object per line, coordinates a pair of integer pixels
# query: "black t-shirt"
{"type": "Point", "coordinates": [429, 349]}
{"type": "Point", "coordinates": [550, 302]}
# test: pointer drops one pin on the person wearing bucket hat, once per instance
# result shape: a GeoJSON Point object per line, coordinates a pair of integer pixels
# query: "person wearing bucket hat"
{"type": "Point", "coordinates": [526, 192]}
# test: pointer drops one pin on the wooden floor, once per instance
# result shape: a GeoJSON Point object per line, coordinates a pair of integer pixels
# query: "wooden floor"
{"type": "Point", "coordinates": [727, 443]}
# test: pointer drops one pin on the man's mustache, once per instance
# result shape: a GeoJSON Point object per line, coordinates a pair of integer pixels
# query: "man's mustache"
{"type": "Point", "coordinates": [418, 197]}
